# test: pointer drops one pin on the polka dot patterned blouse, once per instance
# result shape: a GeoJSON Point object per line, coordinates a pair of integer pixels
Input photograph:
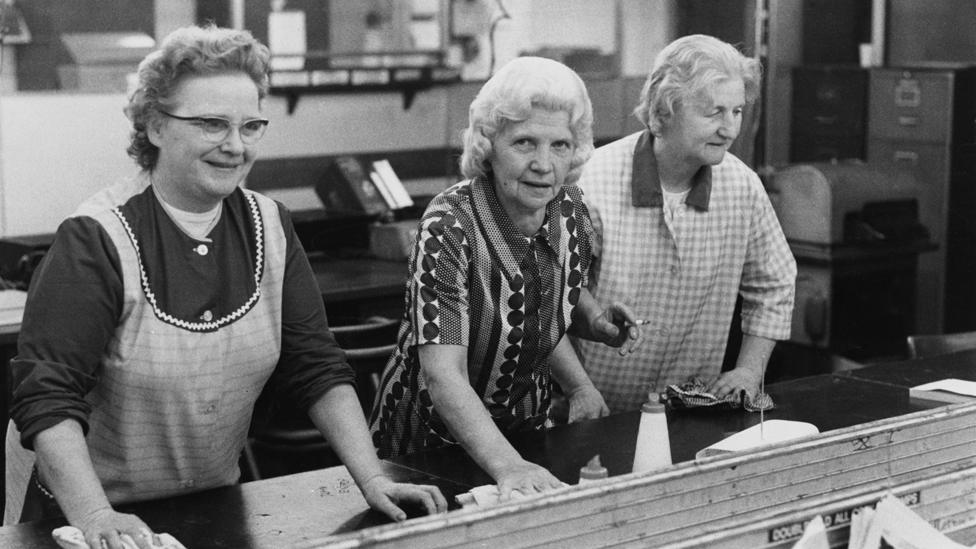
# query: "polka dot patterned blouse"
{"type": "Point", "coordinates": [476, 281]}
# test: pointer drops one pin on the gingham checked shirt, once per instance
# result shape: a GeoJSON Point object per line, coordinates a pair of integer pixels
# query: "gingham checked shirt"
{"type": "Point", "coordinates": [681, 273]}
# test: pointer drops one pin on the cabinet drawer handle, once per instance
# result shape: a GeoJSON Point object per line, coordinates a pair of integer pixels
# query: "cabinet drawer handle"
{"type": "Point", "coordinates": [908, 121]}
{"type": "Point", "coordinates": [825, 120]}
{"type": "Point", "coordinates": [906, 156]}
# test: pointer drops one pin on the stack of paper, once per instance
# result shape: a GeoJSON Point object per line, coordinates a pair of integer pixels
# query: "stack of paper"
{"type": "Point", "coordinates": [891, 524]}
{"type": "Point", "coordinates": [945, 390]}
{"type": "Point", "coordinates": [898, 526]}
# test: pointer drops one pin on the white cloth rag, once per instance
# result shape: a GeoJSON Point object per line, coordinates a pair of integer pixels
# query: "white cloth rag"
{"type": "Point", "coordinates": [69, 537]}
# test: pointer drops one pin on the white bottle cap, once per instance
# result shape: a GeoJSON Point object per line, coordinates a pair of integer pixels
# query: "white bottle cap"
{"type": "Point", "coordinates": [652, 408]}
{"type": "Point", "coordinates": [593, 470]}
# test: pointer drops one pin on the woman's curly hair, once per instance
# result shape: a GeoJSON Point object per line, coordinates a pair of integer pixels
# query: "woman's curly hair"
{"type": "Point", "coordinates": [189, 51]}
{"type": "Point", "coordinates": [510, 95]}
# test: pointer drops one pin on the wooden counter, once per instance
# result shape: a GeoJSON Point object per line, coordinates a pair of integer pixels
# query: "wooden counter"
{"type": "Point", "coordinates": [274, 513]}
{"type": "Point", "coordinates": [909, 373]}
{"type": "Point", "coordinates": [305, 510]}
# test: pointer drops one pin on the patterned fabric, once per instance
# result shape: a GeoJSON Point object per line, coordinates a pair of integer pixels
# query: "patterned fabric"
{"type": "Point", "coordinates": [692, 395]}
{"type": "Point", "coordinates": [476, 281]}
{"type": "Point", "coordinates": [683, 275]}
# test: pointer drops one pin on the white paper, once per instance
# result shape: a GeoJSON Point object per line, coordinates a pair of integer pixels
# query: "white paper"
{"type": "Point", "coordinates": [952, 385]}
{"type": "Point", "coordinates": [12, 306]}
{"type": "Point", "coordinates": [382, 188]}
{"type": "Point", "coordinates": [286, 40]}
{"type": "Point", "coordinates": [814, 535]}
{"type": "Point", "coordinates": [769, 432]}
{"type": "Point", "coordinates": [426, 34]}
{"type": "Point", "coordinates": [901, 528]}
{"type": "Point", "coordinates": [860, 524]}
{"type": "Point", "coordinates": [398, 193]}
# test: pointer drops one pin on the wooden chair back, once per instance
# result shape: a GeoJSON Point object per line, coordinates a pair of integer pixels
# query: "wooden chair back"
{"type": "Point", "coordinates": [921, 346]}
{"type": "Point", "coordinates": [288, 442]}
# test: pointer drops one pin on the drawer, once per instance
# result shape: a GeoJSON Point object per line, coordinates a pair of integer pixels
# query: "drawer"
{"type": "Point", "coordinates": [816, 147]}
{"type": "Point", "coordinates": [830, 99]}
{"type": "Point", "coordinates": [929, 164]}
{"type": "Point", "coordinates": [912, 105]}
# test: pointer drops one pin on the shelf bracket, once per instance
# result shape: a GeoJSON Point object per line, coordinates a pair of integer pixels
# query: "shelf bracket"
{"type": "Point", "coordinates": [408, 97]}
{"type": "Point", "coordinates": [291, 102]}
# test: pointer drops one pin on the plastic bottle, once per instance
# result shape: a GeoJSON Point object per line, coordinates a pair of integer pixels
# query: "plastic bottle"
{"type": "Point", "coordinates": [592, 471]}
{"type": "Point", "coordinates": [653, 448]}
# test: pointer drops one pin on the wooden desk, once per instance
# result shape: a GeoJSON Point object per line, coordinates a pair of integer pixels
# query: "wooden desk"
{"type": "Point", "coordinates": [909, 373]}
{"type": "Point", "coordinates": [285, 511]}
{"type": "Point", "coordinates": [266, 514]}
{"type": "Point", "coordinates": [344, 280]}
{"type": "Point", "coordinates": [828, 401]}
{"type": "Point", "coordinates": [354, 289]}
{"type": "Point", "coordinates": [282, 511]}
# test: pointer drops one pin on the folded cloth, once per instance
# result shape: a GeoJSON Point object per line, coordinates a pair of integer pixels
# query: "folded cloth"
{"type": "Point", "coordinates": [487, 495]}
{"type": "Point", "coordinates": [692, 394]}
{"type": "Point", "coordinates": [483, 496]}
{"type": "Point", "coordinates": [69, 537]}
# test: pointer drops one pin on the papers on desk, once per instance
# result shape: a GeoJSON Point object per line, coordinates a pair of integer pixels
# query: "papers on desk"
{"type": "Point", "coordinates": [891, 521]}
{"type": "Point", "coordinates": [769, 432]}
{"type": "Point", "coordinates": [945, 390]}
{"type": "Point", "coordinates": [12, 307]}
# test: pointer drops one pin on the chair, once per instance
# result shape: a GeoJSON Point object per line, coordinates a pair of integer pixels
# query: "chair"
{"type": "Point", "coordinates": [368, 346]}
{"type": "Point", "coordinates": [922, 346]}
{"type": "Point", "coordinates": [287, 442]}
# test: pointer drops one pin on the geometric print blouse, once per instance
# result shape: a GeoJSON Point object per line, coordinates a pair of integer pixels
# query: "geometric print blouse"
{"type": "Point", "coordinates": [475, 280]}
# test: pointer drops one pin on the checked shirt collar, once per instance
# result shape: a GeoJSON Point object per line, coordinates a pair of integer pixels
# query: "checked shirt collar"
{"type": "Point", "coordinates": [646, 185]}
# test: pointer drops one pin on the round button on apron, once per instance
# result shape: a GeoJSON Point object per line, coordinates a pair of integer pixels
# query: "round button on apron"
{"type": "Point", "coordinates": [202, 249]}
{"type": "Point", "coordinates": [207, 316]}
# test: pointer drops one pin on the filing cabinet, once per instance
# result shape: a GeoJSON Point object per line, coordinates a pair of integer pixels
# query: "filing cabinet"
{"type": "Point", "coordinates": [921, 119]}
{"type": "Point", "coordinates": [829, 115]}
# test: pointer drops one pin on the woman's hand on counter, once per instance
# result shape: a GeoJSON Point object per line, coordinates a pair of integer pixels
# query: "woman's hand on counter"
{"type": "Point", "coordinates": [526, 477]}
{"type": "Point", "coordinates": [586, 402]}
{"type": "Point", "coordinates": [105, 527]}
{"type": "Point", "coordinates": [386, 496]}
{"type": "Point", "coordinates": [736, 381]}
{"type": "Point", "coordinates": [749, 369]}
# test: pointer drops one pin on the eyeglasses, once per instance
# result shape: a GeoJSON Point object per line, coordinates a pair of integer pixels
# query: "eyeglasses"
{"type": "Point", "coordinates": [215, 129]}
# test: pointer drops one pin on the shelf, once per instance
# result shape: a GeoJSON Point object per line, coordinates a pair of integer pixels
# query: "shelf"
{"type": "Point", "coordinates": [408, 81]}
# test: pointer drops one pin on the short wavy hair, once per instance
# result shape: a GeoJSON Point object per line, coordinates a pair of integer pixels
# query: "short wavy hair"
{"type": "Point", "coordinates": [510, 95]}
{"type": "Point", "coordinates": [188, 51]}
{"type": "Point", "coordinates": [687, 67]}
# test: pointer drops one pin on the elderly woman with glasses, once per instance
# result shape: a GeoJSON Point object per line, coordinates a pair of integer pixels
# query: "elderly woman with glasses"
{"type": "Point", "coordinates": [497, 277]}
{"type": "Point", "coordinates": [165, 305]}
